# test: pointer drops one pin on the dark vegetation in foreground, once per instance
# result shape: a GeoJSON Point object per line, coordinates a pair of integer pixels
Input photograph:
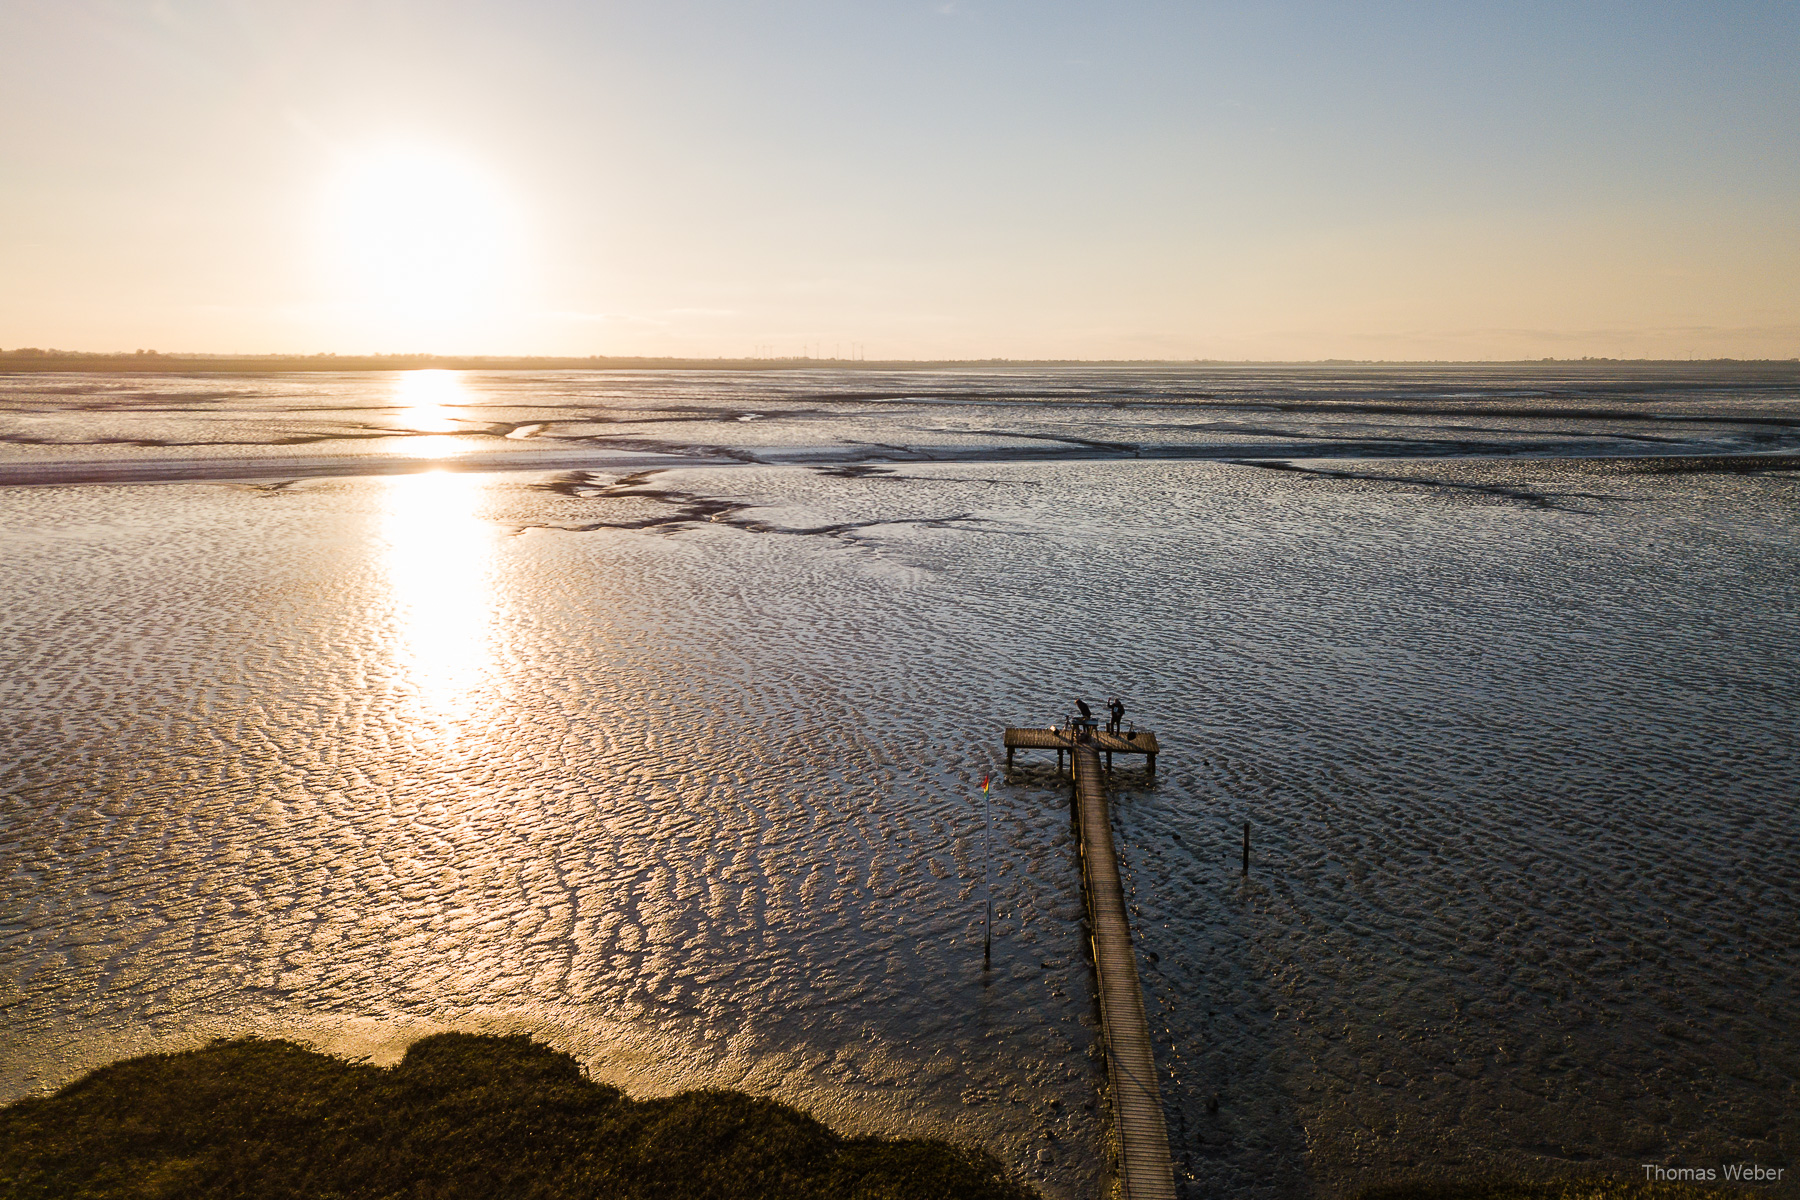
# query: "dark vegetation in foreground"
{"type": "Point", "coordinates": [1588, 1187]}
{"type": "Point", "coordinates": [460, 1116]}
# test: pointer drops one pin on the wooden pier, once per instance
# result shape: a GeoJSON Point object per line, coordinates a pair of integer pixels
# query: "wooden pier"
{"type": "Point", "coordinates": [1145, 1169]}
{"type": "Point", "coordinates": [1138, 741]}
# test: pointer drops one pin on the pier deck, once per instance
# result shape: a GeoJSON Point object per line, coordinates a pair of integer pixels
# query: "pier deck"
{"type": "Point", "coordinates": [1140, 741]}
{"type": "Point", "coordinates": [1144, 1166]}
{"type": "Point", "coordinates": [1145, 1169]}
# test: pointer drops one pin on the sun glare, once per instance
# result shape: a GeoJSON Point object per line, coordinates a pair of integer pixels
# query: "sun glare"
{"type": "Point", "coordinates": [438, 547]}
{"type": "Point", "coordinates": [431, 403]}
{"type": "Point", "coordinates": [417, 234]}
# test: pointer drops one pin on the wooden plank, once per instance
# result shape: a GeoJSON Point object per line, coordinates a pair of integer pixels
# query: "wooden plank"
{"type": "Point", "coordinates": [1050, 739]}
{"type": "Point", "coordinates": [1035, 739]}
{"type": "Point", "coordinates": [1145, 1169]}
{"type": "Point", "coordinates": [1118, 743]}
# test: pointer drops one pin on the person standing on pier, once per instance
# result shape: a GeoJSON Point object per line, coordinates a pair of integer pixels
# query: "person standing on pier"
{"type": "Point", "coordinates": [1116, 707]}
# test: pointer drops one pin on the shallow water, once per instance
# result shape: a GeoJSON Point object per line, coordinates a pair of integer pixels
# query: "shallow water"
{"type": "Point", "coordinates": [207, 427]}
{"type": "Point", "coordinates": [682, 769]}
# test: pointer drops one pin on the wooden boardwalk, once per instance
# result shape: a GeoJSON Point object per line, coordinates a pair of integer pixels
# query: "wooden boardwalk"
{"type": "Point", "coordinates": [1145, 1170]}
{"type": "Point", "coordinates": [1140, 741]}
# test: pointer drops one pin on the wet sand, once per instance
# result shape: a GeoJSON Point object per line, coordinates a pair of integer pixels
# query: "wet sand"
{"type": "Point", "coordinates": [679, 767]}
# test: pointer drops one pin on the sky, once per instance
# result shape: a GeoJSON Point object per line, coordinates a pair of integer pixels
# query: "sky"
{"type": "Point", "coordinates": [891, 179]}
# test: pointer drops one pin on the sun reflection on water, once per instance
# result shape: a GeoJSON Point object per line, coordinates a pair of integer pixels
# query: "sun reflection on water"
{"type": "Point", "coordinates": [431, 402]}
{"type": "Point", "coordinates": [439, 551]}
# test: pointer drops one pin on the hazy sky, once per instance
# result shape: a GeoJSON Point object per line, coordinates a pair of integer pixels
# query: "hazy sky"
{"type": "Point", "coordinates": [966, 179]}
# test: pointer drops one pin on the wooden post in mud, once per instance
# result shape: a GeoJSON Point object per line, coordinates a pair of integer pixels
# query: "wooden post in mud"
{"type": "Point", "coordinates": [1074, 807]}
{"type": "Point", "coordinates": [987, 856]}
{"type": "Point", "coordinates": [1246, 847]}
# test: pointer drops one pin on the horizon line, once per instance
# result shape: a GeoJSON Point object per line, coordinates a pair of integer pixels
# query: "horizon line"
{"type": "Point", "coordinates": [32, 357]}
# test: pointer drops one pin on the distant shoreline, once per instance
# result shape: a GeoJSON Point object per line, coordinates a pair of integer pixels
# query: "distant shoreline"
{"type": "Point", "coordinates": [30, 361]}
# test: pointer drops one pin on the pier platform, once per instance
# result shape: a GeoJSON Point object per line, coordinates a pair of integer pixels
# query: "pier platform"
{"type": "Point", "coordinates": [1139, 741]}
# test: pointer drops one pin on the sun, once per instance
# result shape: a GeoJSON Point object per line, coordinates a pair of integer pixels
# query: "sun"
{"type": "Point", "coordinates": [416, 233]}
